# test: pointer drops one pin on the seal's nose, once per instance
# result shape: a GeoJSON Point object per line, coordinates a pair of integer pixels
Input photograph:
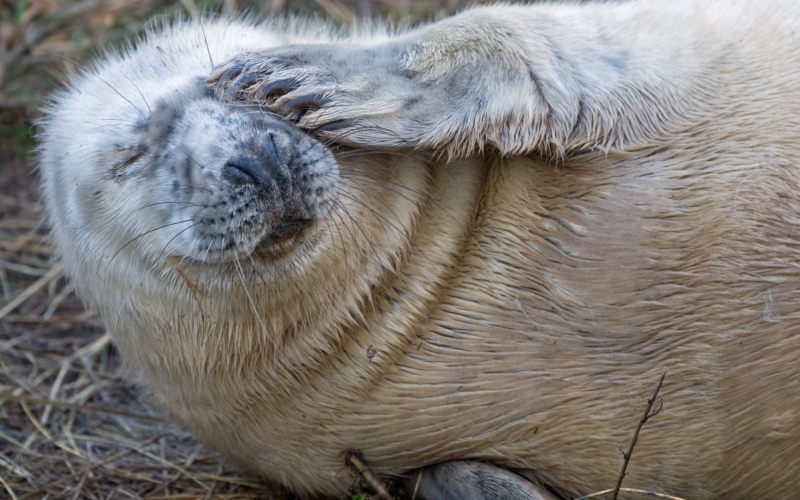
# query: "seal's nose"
{"type": "Point", "coordinates": [262, 168]}
{"type": "Point", "coordinates": [265, 174]}
{"type": "Point", "coordinates": [271, 184]}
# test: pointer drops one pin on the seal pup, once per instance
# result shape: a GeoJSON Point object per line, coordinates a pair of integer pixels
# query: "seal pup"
{"type": "Point", "coordinates": [621, 196]}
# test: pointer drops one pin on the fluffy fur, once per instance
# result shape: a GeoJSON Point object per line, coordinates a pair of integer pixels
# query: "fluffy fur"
{"type": "Point", "coordinates": [499, 308]}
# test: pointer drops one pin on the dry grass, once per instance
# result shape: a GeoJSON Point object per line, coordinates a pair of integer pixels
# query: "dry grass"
{"type": "Point", "coordinates": [101, 441]}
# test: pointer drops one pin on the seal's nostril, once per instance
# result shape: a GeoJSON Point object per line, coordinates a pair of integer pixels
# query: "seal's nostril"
{"type": "Point", "coordinates": [245, 170]}
{"type": "Point", "coordinates": [289, 229]}
{"type": "Point", "coordinates": [235, 172]}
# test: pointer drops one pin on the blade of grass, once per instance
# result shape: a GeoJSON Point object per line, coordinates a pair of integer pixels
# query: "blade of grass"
{"type": "Point", "coordinates": [28, 292]}
{"type": "Point", "coordinates": [95, 465]}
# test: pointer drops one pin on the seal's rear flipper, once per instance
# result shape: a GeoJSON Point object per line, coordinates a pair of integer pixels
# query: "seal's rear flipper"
{"type": "Point", "coordinates": [465, 480]}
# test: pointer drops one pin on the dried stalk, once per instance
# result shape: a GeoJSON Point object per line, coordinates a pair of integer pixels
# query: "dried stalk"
{"type": "Point", "coordinates": [25, 295]}
{"type": "Point", "coordinates": [644, 419]}
{"type": "Point", "coordinates": [95, 465]}
{"type": "Point", "coordinates": [627, 456]}
{"type": "Point", "coordinates": [8, 488]}
{"type": "Point", "coordinates": [632, 490]}
{"type": "Point", "coordinates": [355, 461]}
{"type": "Point", "coordinates": [87, 408]}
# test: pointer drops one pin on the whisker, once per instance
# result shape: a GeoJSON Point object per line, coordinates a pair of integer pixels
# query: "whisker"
{"type": "Point", "coordinates": [380, 182]}
{"type": "Point", "coordinates": [252, 304]}
{"type": "Point", "coordinates": [173, 238]}
{"type": "Point", "coordinates": [148, 232]}
{"type": "Point", "coordinates": [364, 234]}
{"type": "Point", "coordinates": [187, 205]}
{"type": "Point", "coordinates": [98, 77]}
{"type": "Point", "coordinates": [205, 38]}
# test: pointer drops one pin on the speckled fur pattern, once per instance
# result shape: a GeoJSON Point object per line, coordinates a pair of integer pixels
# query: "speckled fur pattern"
{"type": "Point", "coordinates": [581, 196]}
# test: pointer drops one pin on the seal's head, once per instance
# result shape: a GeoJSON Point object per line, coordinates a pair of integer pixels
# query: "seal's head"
{"type": "Point", "coordinates": [224, 182]}
{"type": "Point", "coordinates": [143, 167]}
{"type": "Point", "coordinates": [186, 212]}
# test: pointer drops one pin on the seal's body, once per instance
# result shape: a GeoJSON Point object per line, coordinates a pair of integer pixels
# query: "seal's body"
{"type": "Point", "coordinates": [619, 193]}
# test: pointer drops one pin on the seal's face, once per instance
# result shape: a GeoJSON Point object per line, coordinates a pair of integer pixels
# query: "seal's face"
{"type": "Point", "coordinates": [177, 214]}
{"type": "Point", "coordinates": [226, 182]}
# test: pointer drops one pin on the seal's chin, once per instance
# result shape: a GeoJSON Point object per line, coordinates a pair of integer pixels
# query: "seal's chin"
{"type": "Point", "coordinates": [285, 238]}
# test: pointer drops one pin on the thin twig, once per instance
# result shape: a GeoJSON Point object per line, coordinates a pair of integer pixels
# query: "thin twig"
{"type": "Point", "coordinates": [214, 483]}
{"type": "Point", "coordinates": [140, 449]}
{"type": "Point", "coordinates": [21, 242]}
{"type": "Point", "coordinates": [33, 248]}
{"type": "Point", "coordinates": [632, 490]}
{"type": "Point", "coordinates": [19, 223]}
{"type": "Point", "coordinates": [8, 487]}
{"type": "Point", "coordinates": [56, 320]}
{"type": "Point", "coordinates": [199, 496]}
{"type": "Point", "coordinates": [27, 293]}
{"type": "Point", "coordinates": [5, 284]}
{"type": "Point", "coordinates": [416, 486]}
{"type": "Point", "coordinates": [79, 488]}
{"type": "Point", "coordinates": [46, 434]}
{"type": "Point", "coordinates": [353, 459]}
{"type": "Point", "coordinates": [98, 345]}
{"type": "Point", "coordinates": [644, 419]}
{"type": "Point", "coordinates": [57, 300]}
{"type": "Point", "coordinates": [15, 202]}
{"type": "Point", "coordinates": [86, 408]}
{"type": "Point", "coordinates": [95, 465]}
{"type": "Point", "coordinates": [230, 479]}
{"type": "Point", "coordinates": [36, 422]}
{"type": "Point", "coordinates": [22, 269]}
{"type": "Point", "coordinates": [18, 469]}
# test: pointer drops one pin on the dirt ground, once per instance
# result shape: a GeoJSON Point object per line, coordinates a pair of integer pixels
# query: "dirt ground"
{"type": "Point", "coordinates": [98, 439]}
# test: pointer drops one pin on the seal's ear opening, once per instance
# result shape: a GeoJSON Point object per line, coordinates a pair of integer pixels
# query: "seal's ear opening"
{"type": "Point", "coordinates": [158, 127]}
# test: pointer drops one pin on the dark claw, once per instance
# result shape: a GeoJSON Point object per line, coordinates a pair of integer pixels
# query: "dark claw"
{"type": "Point", "coordinates": [228, 76]}
{"type": "Point", "coordinates": [241, 84]}
{"type": "Point", "coordinates": [304, 101]}
{"type": "Point", "coordinates": [277, 87]}
{"type": "Point", "coordinates": [231, 73]}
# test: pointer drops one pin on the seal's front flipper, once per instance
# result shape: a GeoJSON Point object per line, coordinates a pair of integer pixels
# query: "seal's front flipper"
{"type": "Point", "coordinates": [464, 480]}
